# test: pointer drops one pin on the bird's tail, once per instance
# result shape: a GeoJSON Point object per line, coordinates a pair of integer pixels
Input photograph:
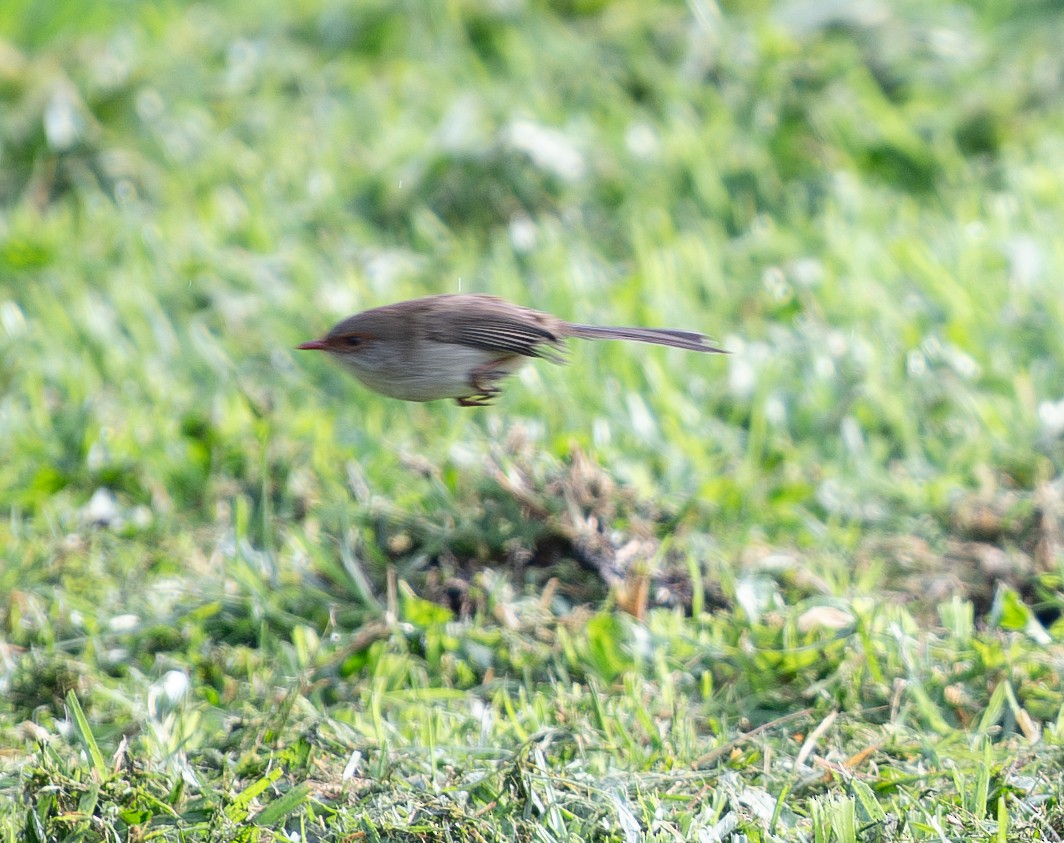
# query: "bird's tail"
{"type": "Point", "coordinates": [689, 340]}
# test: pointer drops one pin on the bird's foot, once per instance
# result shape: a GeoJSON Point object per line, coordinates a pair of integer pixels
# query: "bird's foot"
{"type": "Point", "coordinates": [482, 380]}
{"type": "Point", "coordinates": [476, 400]}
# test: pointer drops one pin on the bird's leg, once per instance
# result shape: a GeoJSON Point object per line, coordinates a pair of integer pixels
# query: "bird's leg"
{"type": "Point", "coordinates": [474, 400]}
{"type": "Point", "coordinates": [482, 379]}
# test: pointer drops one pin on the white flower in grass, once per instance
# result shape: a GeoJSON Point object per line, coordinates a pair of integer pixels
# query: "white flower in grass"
{"type": "Point", "coordinates": [12, 319]}
{"type": "Point", "coordinates": [1051, 417]}
{"type": "Point", "coordinates": [549, 149]}
{"type": "Point", "coordinates": [642, 141]}
{"type": "Point", "coordinates": [806, 272]}
{"type": "Point", "coordinates": [742, 376]}
{"type": "Point", "coordinates": [102, 509]}
{"type": "Point", "coordinates": [523, 233]}
{"type": "Point", "coordinates": [63, 123]}
{"type": "Point", "coordinates": [124, 623]}
{"type": "Point", "coordinates": [1027, 260]}
{"type": "Point", "coordinates": [167, 693]}
{"type": "Point", "coordinates": [852, 436]}
{"type": "Point", "coordinates": [962, 363]}
{"type": "Point", "coordinates": [916, 363]}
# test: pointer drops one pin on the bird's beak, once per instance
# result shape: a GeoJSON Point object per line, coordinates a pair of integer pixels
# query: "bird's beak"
{"type": "Point", "coordinates": [313, 345]}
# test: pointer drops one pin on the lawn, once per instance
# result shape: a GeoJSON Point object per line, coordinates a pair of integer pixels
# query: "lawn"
{"type": "Point", "coordinates": [812, 590]}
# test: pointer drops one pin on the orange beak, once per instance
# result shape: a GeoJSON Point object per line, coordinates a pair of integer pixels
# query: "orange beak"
{"type": "Point", "coordinates": [313, 345]}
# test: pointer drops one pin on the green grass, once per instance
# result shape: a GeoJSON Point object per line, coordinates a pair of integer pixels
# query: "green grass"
{"type": "Point", "coordinates": [242, 598]}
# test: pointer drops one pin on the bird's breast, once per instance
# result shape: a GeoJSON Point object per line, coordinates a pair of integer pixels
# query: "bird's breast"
{"type": "Point", "coordinates": [431, 371]}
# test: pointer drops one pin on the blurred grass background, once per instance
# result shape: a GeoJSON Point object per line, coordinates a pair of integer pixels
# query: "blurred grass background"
{"type": "Point", "coordinates": [851, 525]}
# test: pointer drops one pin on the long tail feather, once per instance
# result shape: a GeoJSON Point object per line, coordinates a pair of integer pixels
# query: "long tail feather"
{"type": "Point", "coordinates": [689, 340]}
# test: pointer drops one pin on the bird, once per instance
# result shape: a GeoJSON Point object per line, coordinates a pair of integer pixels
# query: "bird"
{"type": "Point", "coordinates": [461, 345]}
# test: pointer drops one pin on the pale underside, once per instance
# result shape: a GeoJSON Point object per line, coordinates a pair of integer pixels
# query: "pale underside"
{"type": "Point", "coordinates": [445, 370]}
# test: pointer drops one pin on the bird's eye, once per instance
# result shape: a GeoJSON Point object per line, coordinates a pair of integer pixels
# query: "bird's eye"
{"type": "Point", "coordinates": [352, 340]}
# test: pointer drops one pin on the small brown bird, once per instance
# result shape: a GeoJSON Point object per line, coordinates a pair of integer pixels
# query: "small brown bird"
{"type": "Point", "coordinates": [461, 346]}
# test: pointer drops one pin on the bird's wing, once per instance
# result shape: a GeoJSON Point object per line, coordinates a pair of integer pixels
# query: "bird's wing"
{"type": "Point", "coordinates": [495, 325]}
